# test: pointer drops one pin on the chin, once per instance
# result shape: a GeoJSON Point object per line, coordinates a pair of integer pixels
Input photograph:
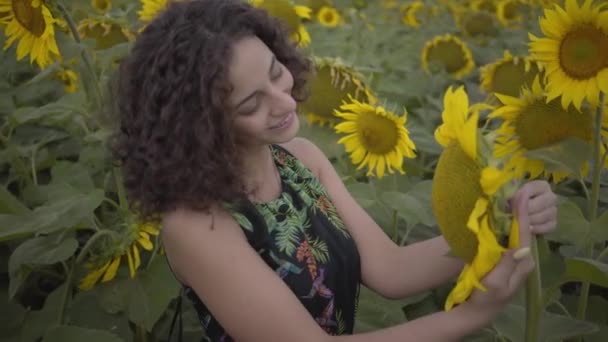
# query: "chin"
{"type": "Point", "coordinates": [289, 133]}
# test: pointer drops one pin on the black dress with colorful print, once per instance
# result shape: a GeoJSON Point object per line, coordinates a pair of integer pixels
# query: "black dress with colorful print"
{"type": "Point", "coordinates": [300, 236]}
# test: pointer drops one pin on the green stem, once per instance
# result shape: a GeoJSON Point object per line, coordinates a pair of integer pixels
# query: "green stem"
{"type": "Point", "coordinates": [593, 201]}
{"type": "Point", "coordinates": [602, 254]}
{"type": "Point", "coordinates": [66, 295]}
{"type": "Point", "coordinates": [534, 307]}
{"type": "Point", "coordinates": [85, 57]}
{"type": "Point", "coordinates": [98, 235]}
{"type": "Point", "coordinates": [120, 190]}
{"type": "Point", "coordinates": [34, 171]}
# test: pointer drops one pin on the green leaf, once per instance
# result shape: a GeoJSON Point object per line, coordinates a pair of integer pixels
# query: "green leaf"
{"type": "Point", "coordinates": [37, 322]}
{"type": "Point", "coordinates": [66, 333]}
{"type": "Point", "coordinates": [57, 215]}
{"type": "Point", "coordinates": [511, 322]}
{"type": "Point", "coordinates": [363, 193]}
{"type": "Point", "coordinates": [599, 228]}
{"type": "Point", "coordinates": [580, 269]}
{"type": "Point", "coordinates": [324, 137]}
{"type": "Point", "coordinates": [12, 314]}
{"type": "Point", "coordinates": [568, 155]}
{"type": "Point", "coordinates": [150, 294]}
{"type": "Point", "coordinates": [37, 251]}
{"type": "Point", "coordinates": [86, 312]}
{"type": "Point", "coordinates": [572, 226]}
{"type": "Point", "coordinates": [74, 174]}
{"type": "Point", "coordinates": [9, 204]}
{"type": "Point", "coordinates": [375, 312]}
{"type": "Point", "coordinates": [407, 207]}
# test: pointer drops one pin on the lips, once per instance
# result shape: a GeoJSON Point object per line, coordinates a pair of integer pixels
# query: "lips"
{"type": "Point", "coordinates": [283, 122]}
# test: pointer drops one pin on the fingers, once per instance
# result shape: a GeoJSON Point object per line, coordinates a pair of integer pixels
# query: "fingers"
{"type": "Point", "coordinates": [501, 274]}
{"type": "Point", "coordinates": [543, 216]}
{"type": "Point", "coordinates": [520, 273]}
{"type": "Point", "coordinates": [542, 201]}
{"type": "Point", "coordinates": [544, 228]}
{"type": "Point", "coordinates": [537, 187]}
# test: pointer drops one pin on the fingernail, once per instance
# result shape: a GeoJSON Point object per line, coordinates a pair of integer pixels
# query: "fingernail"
{"type": "Point", "coordinates": [521, 253]}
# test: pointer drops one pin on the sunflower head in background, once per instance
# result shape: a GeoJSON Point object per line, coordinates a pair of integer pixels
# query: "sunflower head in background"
{"type": "Point", "coordinates": [468, 194]}
{"type": "Point", "coordinates": [315, 5]}
{"type": "Point", "coordinates": [329, 17]}
{"type": "Point", "coordinates": [30, 23]}
{"type": "Point", "coordinates": [105, 31]}
{"type": "Point", "coordinates": [411, 13]}
{"type": "Point", "coordinates": [509, 12]}
{"type": "Point", "coordinates": [375, 137]}
{"type": "Point", "coordinates": [484, 5]}
{"type": "Point", "coordinates": [332, 84]}
{"type": "Point", "coordinates": [574, 51]}
{"type": "Point", "coordinates": [474, 23]}
{"type": "Point", "coordinates": [450, 53]}
{"type": "Point", "coordinates": [101, 6]}
{"type": "Point", "coordinates": [69, 78]}
{"type": "Point", "coordinates": [508, 75]}
{"type": "Point", "coordinates": [291, 15]}
{"type": "Point", "coordinates": [531, 122]}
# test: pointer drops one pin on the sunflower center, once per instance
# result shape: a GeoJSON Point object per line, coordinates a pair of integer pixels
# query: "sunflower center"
{"type": "Point", "coordinates": [479, 23]}
{"type": "Point", "coordinates": [511, 10]}
{"type": "Point", "coordinates": [329, 17]}
{"type": "Point", "coordinates": [378, 134]}
{"type": "Point", "coordinates": [102, 5]}
{"type": "Point", "coordinates": [455, 191]}
{"type": "Point", "coordinates": [449, 54]}
{"type": "Point", "coordinates": [31, 18]}
{"type": "Point", "coordinates": [508, 78]}
{"type": "Point", "coordinates": [542, 124]}
{"type": "Point", "coordinates": [584, 52]}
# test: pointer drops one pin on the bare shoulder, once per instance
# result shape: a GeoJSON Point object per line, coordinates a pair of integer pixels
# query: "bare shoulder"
{"type": "Point", "coordinates": [308, 153]}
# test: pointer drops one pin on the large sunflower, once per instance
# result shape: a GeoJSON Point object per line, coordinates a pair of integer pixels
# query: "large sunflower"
{"type": "Point", "coordinates": [508, 75]}
{"type": "Point", "coordinates": [105, 267]}
{"type": "Point", "coordinates": [530, 122]}
{"type": "Point", "coordinates": [574, 51]}
{"type": "Point", "coordinates": [32, 24]}
{"type": "Point", "coordinates": [331, 85]}
{"type": "Point", "coordinates": [450, 53]}
{"type": "Point", "coordinates": [291, 15]}
{"type": "Point", "coordinates": [375, 138]}
{"type": "Point", "coordinates": [466, 196]}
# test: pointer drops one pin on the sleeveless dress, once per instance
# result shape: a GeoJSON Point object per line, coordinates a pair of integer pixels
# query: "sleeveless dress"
{"type": "Point", "coordinates": [299, 235]}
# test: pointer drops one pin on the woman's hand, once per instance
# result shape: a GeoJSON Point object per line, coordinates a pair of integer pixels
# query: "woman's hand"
{"type": "Point", "coordinates": [541, 206]}
{"type": "Point", "coordinates": [535, 207]}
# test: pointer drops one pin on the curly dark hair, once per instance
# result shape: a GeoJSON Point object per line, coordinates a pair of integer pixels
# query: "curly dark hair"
{"type": "Point", "coordinates": [175, 141]}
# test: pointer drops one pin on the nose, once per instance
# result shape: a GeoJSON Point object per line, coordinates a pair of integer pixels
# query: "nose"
{"type": "Point", "coordinates": [282, 101]}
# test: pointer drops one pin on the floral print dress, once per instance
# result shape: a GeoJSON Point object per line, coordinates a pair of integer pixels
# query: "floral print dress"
{"type": "Point", "coordinates": [300, 236]}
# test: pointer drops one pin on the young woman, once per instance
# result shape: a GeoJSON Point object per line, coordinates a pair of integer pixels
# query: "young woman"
{"type": "Point", "coordinates": [257, 224]}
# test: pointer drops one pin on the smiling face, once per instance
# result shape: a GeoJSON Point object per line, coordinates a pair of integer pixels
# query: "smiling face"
{"type": "Point", "coordinates": [261, 103]}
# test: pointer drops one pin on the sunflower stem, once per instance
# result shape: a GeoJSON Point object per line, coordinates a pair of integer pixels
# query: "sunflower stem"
{"type": "Point", "coordinates": [593, 200]}
{"type": "Point", "coordinates": [94, 89]}
{"type": "Point", "coordinates": [98, 235]}
{"type": "Point", "coordinates": [120, 190]}
{"type": "Point", "coordinates": [534, 305]}
{"type": "Point", "coordinates": [66, 294]}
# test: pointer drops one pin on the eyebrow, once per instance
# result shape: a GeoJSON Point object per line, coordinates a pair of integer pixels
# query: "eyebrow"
{"type": "Point", "coordinates": [272, 62]}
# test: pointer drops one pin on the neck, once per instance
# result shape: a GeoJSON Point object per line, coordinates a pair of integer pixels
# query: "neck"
{"type": "Point", "coordinates": [258, 167]}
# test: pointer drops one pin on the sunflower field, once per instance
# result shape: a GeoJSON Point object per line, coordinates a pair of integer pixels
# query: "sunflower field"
{"type": "Point", "coordinates": [433, 112]}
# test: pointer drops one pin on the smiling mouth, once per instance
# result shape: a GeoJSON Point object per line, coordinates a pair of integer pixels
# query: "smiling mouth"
{"type": "Point", "coordinates": [283, 122]}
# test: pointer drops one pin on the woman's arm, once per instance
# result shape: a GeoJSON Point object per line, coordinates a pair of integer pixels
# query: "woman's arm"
{"type": "Point", "coordinates": [253, 304]}
{"type": "Point", "coordinates": [388, 269]}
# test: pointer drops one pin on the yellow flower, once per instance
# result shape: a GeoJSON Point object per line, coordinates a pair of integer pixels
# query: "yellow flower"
{"type": "Point", "coordinates": [375, 138]}
{"type": "Point", "coordinates": [484, 5]}
{"type": "Point", "coordinates": [508, 75]}
{"type": "Point", "coordinates": [101, 6]}
{"type": "Point", "coordinates": [390, 4]}
{"type": "Point", "coordinates": [509, 12]}
{"type": "Point", "coordinates": [574, 52]}
{"type": "Point", "coordinates": [331, 85]}
{"type": "Point", "coordinates": [475, 23]}
{"type": "Point", "coordinates": [105, 32]}
{"type": "Point", "coordinates": [450, 53]}
{"type": "Point", "coordinates": [69, 79]}
{"type": "Point", "coordinates": [105, 269]}
{"type": "Point", "coordinates": [464, 196]}
{"type": "Point", "coordinates": [411, 12]}
{"type": "Point", "coordinates": [530, 122]}
{"type": "Point", "coordinates": [328, 17]}
{"type": "Point", "coordinates": [291, 15]}
{"type": "Point", "coordinates": [31, 23]}
{"type": "Point", "coordinates": [316, 5]}
{"type": "Point", "coordinates": [150, 9]}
